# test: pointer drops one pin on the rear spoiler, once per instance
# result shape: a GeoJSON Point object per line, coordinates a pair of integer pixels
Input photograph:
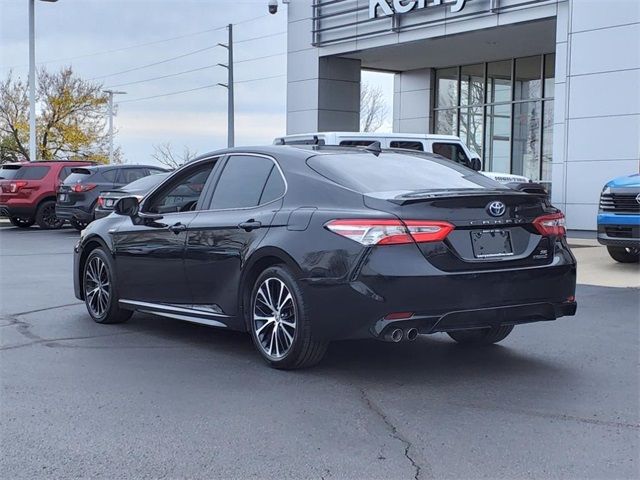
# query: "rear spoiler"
{"type": "Point", "coordinates": [529, 187]}
{"type": "Point", "coordinates": [81, 170]}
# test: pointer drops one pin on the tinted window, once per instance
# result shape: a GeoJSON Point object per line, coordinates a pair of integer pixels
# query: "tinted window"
{"type": "Point", "coordinates": [109, 175]}
{"type": "Point", "coordinates": [182, 193]}
{"type": "Point", "coordinates": [64, 173]}
{"type": "Point", "coordinates": [7, 172]}
{"type": "Point", "coordinates": [452, 151]}
{"type": "Point", "coordinates": [242, 182]}
{"type": "Point", "coordinates": [78, 175]}
{"type": "Point", "coordinates": [128, 175]}
{"type": "Point", "coordinates": [32, 173]}
{"type": "Point", "coordinates": [146, 183]}
{"type": "Point", "coordinates": [407, 145]}
{"type": "Point", "coordinates": [396, 172]}
{"type": "Point", "coordinates": [274, 187]}
{"type": "Point", "coordinates": [357, 143]}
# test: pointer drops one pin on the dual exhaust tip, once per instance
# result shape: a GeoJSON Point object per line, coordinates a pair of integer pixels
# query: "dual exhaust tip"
{"type": "Point", "coordinates": [396, 335]}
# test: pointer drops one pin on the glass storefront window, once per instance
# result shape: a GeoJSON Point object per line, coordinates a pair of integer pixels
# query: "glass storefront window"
{"type": "Point", "coordinates": [528, 78]}
{"type": "Point", "coordinates": [498, 139]}
{"type": "Point", "coordinates": [499, 81]}
{"type": "Point", "coordinates": [472, 84]}
{"type": "Point", "coordinates": [549, 75]}
{"type": "Point", "coordinates": [547, 141]}
{"type": "Point", "coordinates": [447, 122]}
{"type": "Point", "coordinates": [447, 87]}
{"type": "Point", "coordinates": [471, 128]}
{"type": "Point", "coordinates": [526, 140]}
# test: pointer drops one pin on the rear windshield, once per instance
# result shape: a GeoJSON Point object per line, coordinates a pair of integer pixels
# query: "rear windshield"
{"type": "Point", "coordinates": [391, 172]}
{"type": "Point", "coordinates": [78, 175]}
{"type": "Point", "coordinates": [28, 172]}
{"type": "Point", "coordinates": [145, 183]}
{"type": "Point", "coordinates": [7, 172]}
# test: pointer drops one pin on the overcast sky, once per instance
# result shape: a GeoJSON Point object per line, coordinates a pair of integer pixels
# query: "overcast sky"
{"type": "Point", "coordinates": [101, 38]}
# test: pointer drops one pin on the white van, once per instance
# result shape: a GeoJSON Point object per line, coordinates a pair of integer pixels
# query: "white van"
{"type": "Point", "coordinates": [448, 146]}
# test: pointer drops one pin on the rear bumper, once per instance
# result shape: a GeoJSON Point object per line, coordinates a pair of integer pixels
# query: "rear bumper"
{"type": "Point", "coordinates": [437, 301]}
{"type": "Point", "coordinates": [100, 213]}
{"type": "Point", "coordinates": [8, 210]}
{"type": "Point", "coordinates": [73, 213]}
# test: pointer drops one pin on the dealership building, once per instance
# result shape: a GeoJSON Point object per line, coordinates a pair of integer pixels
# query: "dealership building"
{"type": "Point", "coordinates": [549, 89]}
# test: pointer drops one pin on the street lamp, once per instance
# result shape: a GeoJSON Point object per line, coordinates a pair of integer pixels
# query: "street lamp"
{"type": "Point", "coordinates": [111, 93]}
{"type": "Point", "coordinates": [32, 80]}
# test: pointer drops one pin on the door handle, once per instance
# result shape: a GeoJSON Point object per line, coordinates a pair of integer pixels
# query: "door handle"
{"type": "Point", "coordinates": [250, 225]}
{"type": "Point", "coordinates": [178, 227]}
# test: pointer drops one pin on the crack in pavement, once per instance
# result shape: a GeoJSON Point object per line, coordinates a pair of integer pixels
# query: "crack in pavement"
{"type": "Point", "coordinates": [418, 469]}
{"type": "Point", "coordinates": [20, 314]}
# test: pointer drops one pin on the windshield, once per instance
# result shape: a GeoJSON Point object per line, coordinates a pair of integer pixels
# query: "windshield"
{"type": "Point", "coordinates": [145, 183]}
{"type": "Point", "coordinates": [393, 172]}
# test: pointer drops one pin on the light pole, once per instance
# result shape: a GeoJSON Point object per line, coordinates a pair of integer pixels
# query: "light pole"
{"type": "Point", "coordinates": [32, 80]}
{"type": "Point", "coordinates": [111, 93]}
{"type": "Point", "coordinates": [229, 86]}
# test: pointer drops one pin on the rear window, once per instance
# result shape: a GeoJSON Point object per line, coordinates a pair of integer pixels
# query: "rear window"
{"type": "Point", "coordinates": [78, 175]}
{"type": "Point", "coordinates": [7, 172]}
{"type": "Point", "coordinates": [146, 183]}
{"type": "Point", "coordinates": [28, 172]}
{"type": "Point", "coordinates": [388, 172]}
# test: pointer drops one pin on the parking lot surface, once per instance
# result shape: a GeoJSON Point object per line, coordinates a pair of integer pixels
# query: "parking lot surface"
{"type": "Point", "coordinates": [156, 398]}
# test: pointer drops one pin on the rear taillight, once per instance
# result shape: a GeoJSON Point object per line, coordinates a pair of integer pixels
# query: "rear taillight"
{"type": "Point", "coordinates": [101, 201]}
{"type": "Point", "coordinates": [551, 225]}
{"type": "Point", "coordinates": [390, 232]}
{"type": "Point", "coordinates": [83, 187]}
{"type": "Point", "coordinates": [15, 187]}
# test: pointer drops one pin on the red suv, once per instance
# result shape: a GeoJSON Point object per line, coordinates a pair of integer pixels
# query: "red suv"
{"type": "Point", "coordinates": [28, 195]}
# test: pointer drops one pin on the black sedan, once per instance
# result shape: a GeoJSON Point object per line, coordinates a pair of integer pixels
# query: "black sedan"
{"type": "Point", "coordinates": [301, 246]}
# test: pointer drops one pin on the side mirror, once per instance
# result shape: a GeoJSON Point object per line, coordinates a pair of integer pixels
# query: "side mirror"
{"type": "Point", "coordinates": [127, 206]}
{"type": "Point", "coordinates": [476, 164]}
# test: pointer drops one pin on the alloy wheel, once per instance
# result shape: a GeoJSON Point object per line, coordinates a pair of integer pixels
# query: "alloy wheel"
{"type": "Point", "coordinates": [274, 318]}
{"type": "Point", "coordinates": [97, 287]}
{"type": "Point", "coordinates": [49, 217]}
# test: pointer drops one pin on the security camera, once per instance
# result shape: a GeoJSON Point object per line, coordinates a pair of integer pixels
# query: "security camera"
{"type": "Point", "coordinates": [273, 7]}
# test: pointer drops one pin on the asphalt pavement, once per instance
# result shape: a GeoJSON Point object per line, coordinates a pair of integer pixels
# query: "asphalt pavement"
{"type": "Point", "coordinates": [157, 398]}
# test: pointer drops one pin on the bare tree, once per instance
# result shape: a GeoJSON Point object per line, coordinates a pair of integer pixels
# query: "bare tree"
{"type": "Point", "coordinates": [373, 109]}
{"type": "Point", "coordinates": [70, 123]}
{"type": "Point", "coordinates": [164, 154]}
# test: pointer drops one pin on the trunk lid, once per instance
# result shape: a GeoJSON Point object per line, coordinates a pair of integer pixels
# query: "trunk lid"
{"type": "Point", "coordinates": [493, 228]}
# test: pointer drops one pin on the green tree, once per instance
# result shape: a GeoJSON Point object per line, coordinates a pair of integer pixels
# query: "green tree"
{"type": "Point", "coordinates": [70, 119]}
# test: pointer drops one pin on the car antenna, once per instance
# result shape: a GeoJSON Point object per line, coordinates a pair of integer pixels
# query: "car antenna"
{"type": "Point", "coordinates": [374, 148]}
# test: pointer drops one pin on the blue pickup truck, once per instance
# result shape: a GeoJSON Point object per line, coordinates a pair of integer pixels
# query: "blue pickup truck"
{"type": "Point", "coordinates": [619, 218]}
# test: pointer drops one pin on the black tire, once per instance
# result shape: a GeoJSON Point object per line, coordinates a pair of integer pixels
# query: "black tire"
{"type": "Point", "coordinates": [78, 224]}
{"type": "Point", "coordinates": [624, 254]}
{"type": "Point", "coordinates": [481, 336]}
{"type": "Point", "coordinates": [305, 349]}
{"type": "Point", "coordinates": [109, 310]}
{"type": "Point", "coordinates": [46, 216]}
{"type": "Point", "coordinates": [21, 222]}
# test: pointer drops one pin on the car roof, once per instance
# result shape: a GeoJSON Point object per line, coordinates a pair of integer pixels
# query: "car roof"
{"type": "Point", "coordinates": [122, 166]}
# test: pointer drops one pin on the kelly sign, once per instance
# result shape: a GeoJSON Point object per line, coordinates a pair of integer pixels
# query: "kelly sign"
{"type": "Point", "coordinates": [383, 8]}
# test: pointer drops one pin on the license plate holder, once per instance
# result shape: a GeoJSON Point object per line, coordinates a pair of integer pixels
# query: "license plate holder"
{"type": "Point", "coordinates": [63, 197]}
{"type": "Point", "coordinates": [493, 243]}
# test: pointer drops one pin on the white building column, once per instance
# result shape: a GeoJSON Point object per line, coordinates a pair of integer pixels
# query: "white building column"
{"type": "Point", "coordinates": [597, 103]}
{"type": "Point", "coordinates": [412, 101]}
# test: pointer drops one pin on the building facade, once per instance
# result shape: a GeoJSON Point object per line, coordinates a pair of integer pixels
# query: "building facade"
{"type": "Point", "coordinates": [549, 89]}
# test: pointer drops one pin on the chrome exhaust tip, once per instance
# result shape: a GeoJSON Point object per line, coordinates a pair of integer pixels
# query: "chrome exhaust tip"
{"type": "Point", "coordinates": [411, 334]}
{"type": "Point", "coordinates": [395, 335]}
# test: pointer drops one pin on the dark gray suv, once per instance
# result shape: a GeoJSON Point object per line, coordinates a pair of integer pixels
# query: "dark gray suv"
{"type": "Point", "coordinates": [78, 195]}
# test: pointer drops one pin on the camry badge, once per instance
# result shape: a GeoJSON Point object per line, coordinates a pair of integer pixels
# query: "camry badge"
{"type": "Point", "coordinates": [496, 209]}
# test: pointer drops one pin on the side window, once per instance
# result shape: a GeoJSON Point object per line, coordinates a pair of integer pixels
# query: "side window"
{"type": "Point", "coordinates": [183, 193]}
{"type": "Point", "coordinates": [274, 188]}
{"type": "Point", "coordinates": [407, 145]}
{"type": "Point", "coordinates": [128, 175]}
{"type": "Point", "coordinates": [110, 175]}
{"type": "Point", "coordinates": [452, 151]}
{"type": "Point", "coordinates": [242, 182]}
{"type": "Point", "coordinates": [31, 173]}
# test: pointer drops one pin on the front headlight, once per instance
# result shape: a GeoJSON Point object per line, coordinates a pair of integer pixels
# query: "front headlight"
{"type": "Point", "coordinates": [606, 190]}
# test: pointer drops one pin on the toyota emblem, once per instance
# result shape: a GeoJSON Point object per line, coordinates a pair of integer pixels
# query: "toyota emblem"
{"type": "Point", "coordinates": [496, 209]}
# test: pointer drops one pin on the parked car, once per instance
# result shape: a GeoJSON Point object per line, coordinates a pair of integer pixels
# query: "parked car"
{"type": "Point", "coordinates": [29, 196]}
{"type": "Point", "coordinates": [78, 195]}
{"type": "Point", "coordinates": [138, 189]}
{"type": "Point", "coordinates": [303, 246]}
{"type": "Point", "coordinates": [619, 218]}
{"type": "Point", "coordinates": [448, 146]}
